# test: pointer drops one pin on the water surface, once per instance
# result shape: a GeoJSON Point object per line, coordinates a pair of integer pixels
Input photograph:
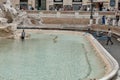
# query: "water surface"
{"type": "Point", "coordinates": [49, 57]}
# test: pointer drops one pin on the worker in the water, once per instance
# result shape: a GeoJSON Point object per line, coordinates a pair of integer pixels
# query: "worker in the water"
{"type": "Point", "coordinates": [23, 35]}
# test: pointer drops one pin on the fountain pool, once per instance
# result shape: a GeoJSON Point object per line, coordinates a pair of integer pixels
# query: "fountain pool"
{"type": "Point", "coordinates": [53, 55]}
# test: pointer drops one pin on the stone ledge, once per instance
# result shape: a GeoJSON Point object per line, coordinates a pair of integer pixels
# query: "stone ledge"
{"type": "Point", "coordinates": [112, 64]}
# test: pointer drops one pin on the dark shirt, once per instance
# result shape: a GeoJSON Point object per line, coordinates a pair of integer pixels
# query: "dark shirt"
{"type": "Point", "coordinates": [23, 34]}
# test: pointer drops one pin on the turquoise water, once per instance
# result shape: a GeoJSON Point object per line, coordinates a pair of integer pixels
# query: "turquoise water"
{"type": "Point", "coordinates": [49, 57]}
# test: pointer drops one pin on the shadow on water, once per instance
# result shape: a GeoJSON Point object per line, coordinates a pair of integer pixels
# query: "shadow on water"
{"type": "Point", "coordinates": [22, 39]}
{"type": "Point", "coordinates": [55, 39]}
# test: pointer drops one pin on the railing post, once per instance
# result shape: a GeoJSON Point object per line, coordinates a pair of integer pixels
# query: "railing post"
{"type": "Point", "coordinates": [76, 14]}
{"type": "Point", "coordinates": [58, 14]}
{"type": "Point", "coordinates": [91, 13]}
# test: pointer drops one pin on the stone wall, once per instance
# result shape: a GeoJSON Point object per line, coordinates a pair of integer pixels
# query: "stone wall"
{"type": "Point", "coordinates": [65, 21]}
